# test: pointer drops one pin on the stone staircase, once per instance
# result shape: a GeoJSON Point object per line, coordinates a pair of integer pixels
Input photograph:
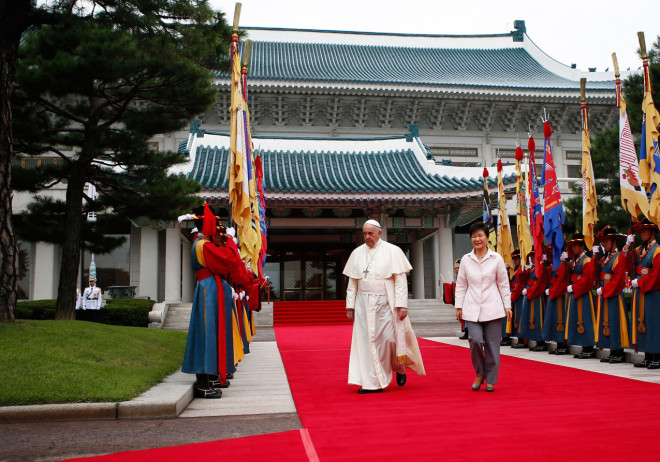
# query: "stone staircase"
{"type": "Point", "coordinates": [430, 310]}
{"type": "Point", "coordinates": [177, 317]}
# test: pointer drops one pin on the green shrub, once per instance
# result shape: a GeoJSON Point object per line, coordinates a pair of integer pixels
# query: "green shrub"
{"type": "Point", "coordinates": [117, 312]}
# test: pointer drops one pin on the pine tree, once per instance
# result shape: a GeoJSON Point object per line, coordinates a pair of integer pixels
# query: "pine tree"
{"type": "Point", "coordinates": [92, 90]}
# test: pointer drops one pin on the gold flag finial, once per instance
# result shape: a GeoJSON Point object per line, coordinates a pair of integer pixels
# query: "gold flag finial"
{"type": "Point", "coordinates": [642, 45]}
{"type": "Point", "coordinates": [237, 15]}
{"type": "Point", "coordinates": [616, 66]}
{"type": "Point", "coordinates": [246, 54]}
{"type": "Point", "coordinates": [583, 89]}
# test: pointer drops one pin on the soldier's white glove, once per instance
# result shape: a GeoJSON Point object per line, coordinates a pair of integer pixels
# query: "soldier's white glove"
{"type": "Point", "coordinates": [595, 250]}
{"type": "Point", "coordinates": [569, 289]}
{"type": "Point", "coordinates": [524, 292]}
{"type": "Point", "coordinates": [545, 257]}
{"type": "Point", "coordinates": [547, 291]}
{"type": "Point", "coordinates": [634, 283]}
{"type": "Point", "coordinates": [564, 256]}
{"type": "Point", "coordinates": [599, 291]}
{"type": "Point", "coordinates": [630, 240]}
{"type": "Point", "coordinates": [242, 294]}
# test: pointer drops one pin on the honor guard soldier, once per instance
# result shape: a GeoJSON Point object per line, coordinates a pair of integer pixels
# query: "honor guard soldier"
{"type": "Point", "coordinates": [580, 319]}
{"type": "Point", "coordinates": [554, 324]}
{"type": "Point", "coordinates": [611, 268]}
{"type": "Point", "coordinates": [645, 322]}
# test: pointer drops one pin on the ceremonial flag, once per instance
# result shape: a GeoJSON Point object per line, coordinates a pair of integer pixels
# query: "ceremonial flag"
{"type": "Point", "coordinates": [504, 239]}
{"type": "Point", "coordinates": [589, 201]}
{"type": "Point", "coordinates": [633, 196]}
{"type": "Point", "coordinates": [522, 212]}
{"type": "Point", "coordinates": [649, 150]}
{"type": "Point", "coordinates": [239, 187]}
{"type": "Point", "coordinates": [553, 210]}
{"type": "Point", "coordinates": [262, 214]}
{"type": "Point", "coordinates": [536, 218]}
{"type": "Point", "coordinates": [487, 214]}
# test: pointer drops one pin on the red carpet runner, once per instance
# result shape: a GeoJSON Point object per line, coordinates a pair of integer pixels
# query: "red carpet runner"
{"type": "Point", "coordinates": [538, 412]}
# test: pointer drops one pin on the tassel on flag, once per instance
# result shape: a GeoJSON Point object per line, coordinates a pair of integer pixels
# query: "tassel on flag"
{"type": "Point", "coordinates": [589, 201]}
{"type": "Point", "coordinates": [504, 239]}
{"type": "Point", "coordinates": [522, 212]}
{"type": "Point", "coordinates": [553, 209]}
{"type": "Point", "coordinates": [633, 196]}
{"type": "Point", "coordinates": [649, 150]}
{"type": "Point", "coordinates": [535, 207]}
{"type": "Point", "coordinates": [487, 214]}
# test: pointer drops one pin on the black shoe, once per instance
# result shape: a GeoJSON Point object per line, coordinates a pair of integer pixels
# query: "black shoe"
{"type": "Point", "coordinates": [216, 384]}
{"type": "Point", "coordinates": [653, 365]}
{"type": "Point", "coordinates": [400, 379]}
{"type": "Point", "coordinates": [643, 363]}
{"type": "Point", "coordinates": [207, 393]}
{"type": "Point", "coordinates": [587, 355]}
{"type": "Point", "coordinates": [519, 345]}
{"type": "Point", "coordinates": [463, 337]}
{"type": "Point", "coordinates": [364, 391]}
{"type": "Point", "coordinates": [230, 376]}
{"type": "Point", "coordinates": [540, 348]}
{"type": "Point", "coordinates": [606, 360]}
{"type": "Point", "coordinates": [505, 342]}
{"type": "Point", "coordinates": [561, 351]}
{"type": "Point", "coordinates": [616, 359]}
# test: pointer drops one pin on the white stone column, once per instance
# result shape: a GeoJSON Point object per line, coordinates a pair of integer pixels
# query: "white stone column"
{"type": "Point", "coordinates": [418, 269]}
{"type": "Point", "coordinates": [383, 226]}
{"type": "Point", "coordinates": [446, 255]}
{"type": "Point", "coordinates": [148, 283]}
{"type": "Point", "coordinates": [436, 264]}
{"type": "Point", "coordinates": [173, 264]}
{"type": "Point", "coordinates": [44, 287]}
{"type": "Point", "coordinates": [187, 277]}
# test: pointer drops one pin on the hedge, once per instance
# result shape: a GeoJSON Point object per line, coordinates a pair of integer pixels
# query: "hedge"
{"type": "Point", "coordinates": [118, 312]}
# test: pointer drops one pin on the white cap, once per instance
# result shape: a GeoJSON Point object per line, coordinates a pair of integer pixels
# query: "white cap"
{"type": "Point", "coordinates": [373, 223]}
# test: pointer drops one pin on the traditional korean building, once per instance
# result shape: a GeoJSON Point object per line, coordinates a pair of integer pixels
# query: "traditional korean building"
{"type": "Point", "coordinates": [352, 126]}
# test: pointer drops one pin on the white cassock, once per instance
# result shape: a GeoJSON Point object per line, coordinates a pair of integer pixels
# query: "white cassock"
{"type": "Point", "coordinates": [92, 298]}
{"type": "Point", "coordinates": [382, 343]}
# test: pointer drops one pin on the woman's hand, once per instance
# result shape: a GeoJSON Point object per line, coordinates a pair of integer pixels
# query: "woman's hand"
{"type": "Point", "coordinates": [403, 312]}
{"type": "Point", "coordinates": [509, 314]}
{"type": "Point", "coordinates": [459, 314]}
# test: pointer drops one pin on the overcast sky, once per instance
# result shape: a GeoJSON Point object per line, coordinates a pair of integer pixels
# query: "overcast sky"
{"type": "Point", "coordinates": [584, 32]}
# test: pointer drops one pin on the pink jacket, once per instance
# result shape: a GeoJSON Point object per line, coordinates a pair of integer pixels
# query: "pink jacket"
{"type": "Point", "coordinates": [482, 288]}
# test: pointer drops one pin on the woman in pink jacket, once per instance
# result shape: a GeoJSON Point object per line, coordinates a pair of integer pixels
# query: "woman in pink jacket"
{"type": "Point", "coordinates": [483, 300]}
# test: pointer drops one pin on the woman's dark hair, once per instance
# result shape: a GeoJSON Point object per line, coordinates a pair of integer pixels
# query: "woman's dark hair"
{"type": "Point", "coordinates": [478, 226]}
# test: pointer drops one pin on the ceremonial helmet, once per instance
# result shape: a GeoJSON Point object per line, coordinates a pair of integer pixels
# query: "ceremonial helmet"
{"type": "Point", "coordinates": [609, 233]}
{"type": "Point", "coordinates": [645, 223]}
{"type": "Point", "coordinates": [577, 238]}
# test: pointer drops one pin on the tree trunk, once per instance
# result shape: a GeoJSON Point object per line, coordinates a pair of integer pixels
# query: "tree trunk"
{"type": "Point", "coordinates": [10, 34]}
{"type": "Point", "coordinates": [66, 291]}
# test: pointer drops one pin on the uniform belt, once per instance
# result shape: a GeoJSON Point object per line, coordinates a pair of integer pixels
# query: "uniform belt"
{"type": "Point", "coordinates": [575, 277]}
{"type": "Point", "coordinates": [203, 274]}
{"type": "Point", "coordinates": [606, 278]}
{"type": "Point", "coordinates": [641, 270]}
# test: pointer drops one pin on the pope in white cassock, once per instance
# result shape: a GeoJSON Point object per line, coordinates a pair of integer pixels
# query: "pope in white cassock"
{"type": "Point", "coordinates": [377, 300]}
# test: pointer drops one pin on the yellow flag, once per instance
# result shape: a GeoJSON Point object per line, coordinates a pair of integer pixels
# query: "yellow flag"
{"type": "Point", "coordinates": [504, 239]}
{"type": "Point", "coordinates": [522, 214]}
{"type": "Point", "coordinates": [589, 201]}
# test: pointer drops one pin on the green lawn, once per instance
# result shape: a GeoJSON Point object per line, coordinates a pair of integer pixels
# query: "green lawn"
{"type": "Point", "coordinates": [43, 362]}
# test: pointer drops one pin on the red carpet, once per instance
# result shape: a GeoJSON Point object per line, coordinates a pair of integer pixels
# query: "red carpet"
{"type": "Point", "coordinates": [285, 446]}
{"type": "Point", "coordinates": [310, 313]}
{"type": "Point", "coordinates": [538, 411]}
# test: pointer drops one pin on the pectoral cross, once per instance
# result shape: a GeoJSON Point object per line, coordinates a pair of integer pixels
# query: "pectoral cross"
{"type": "Point", "coordinates": [366, 271]}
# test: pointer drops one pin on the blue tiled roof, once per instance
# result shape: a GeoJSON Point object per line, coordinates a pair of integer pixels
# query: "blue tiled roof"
{"type": "Point", "coordinates": [327, 62]}
{"type": "Point", "coordinates": [392, 172]}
